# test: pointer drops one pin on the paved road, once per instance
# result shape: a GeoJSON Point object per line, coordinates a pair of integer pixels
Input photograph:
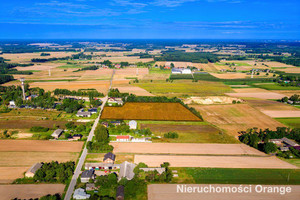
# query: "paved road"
{"type": "Point", "coordinates": [84, 152]}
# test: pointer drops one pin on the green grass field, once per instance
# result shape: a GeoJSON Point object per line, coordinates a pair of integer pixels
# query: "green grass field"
{"type": "Point", "coordinates": [293, 122]}
{"type": "Point", "coordinates": [68, 66]}
{"type": "Point", "coordinates": [238, 176]}
{"type": "Point", "coordinates": [184, 87]}
{"type": "Point", "coordinates": [159, 71]}
{"type": "Point", "coordinates": [275, 86]}
{"type": "Point", "coordinates": [236, 63]}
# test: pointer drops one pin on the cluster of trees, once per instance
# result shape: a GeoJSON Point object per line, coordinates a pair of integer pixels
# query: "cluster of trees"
{"type": "Point", "coordinates": [45, 54]}
{"type": "Point", "coordinates": [80, 128]}
{"type": "Point", "coordinates": [94, 67]}
{"type": "Point", "coordinates": [39, 129]}
{"type": "Point", "coordinates": [259, 139]}
{"type": "Point", "coordinates": [141, 55]}
{"type": "Point", "coordinates": [80, 92]}
{"type": "Point", "coordinates": [114, 92]}
{"type": "Point", "coordinates": [195, 57]}
{"type": "Point", "coordinates": [101, 141]}
{"type": "Point", "coordinates": [154, 176]}
{"type": "Point", "coordinates": [288, 80]}
{"type": "Point", "coordinates": [70, 105]}
{"type": "Point", "coordinates": [295, 98]}
{"type": "Point", "coordinates": [172, 135]}
{"type": "Point", "coordinates": [46, 197]}
{"type": "Point", "coordinates": [81, 56]}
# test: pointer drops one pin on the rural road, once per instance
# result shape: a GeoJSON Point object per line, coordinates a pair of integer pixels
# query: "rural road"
{"type": "Point", "coordinates": [84, 152]}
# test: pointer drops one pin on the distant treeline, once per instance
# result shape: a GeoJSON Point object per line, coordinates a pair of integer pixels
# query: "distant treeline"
{"type": "Point", "coordinates": [80, 92]}
{"type": "Point", "coordinates": [87, 68]}
{"type": "Point", "coordinates": [195, 57]}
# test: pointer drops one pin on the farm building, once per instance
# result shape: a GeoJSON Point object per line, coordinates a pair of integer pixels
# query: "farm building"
{"type": "Point", "coordinates": [12, 104]}
{"type": "Point", "coordinates": [57, 133]}
{"type": "Point", "coordinates": [75, 137]}
{"type": "Point", "coordinates": [114, 101]}
{"type": "Point", "coordinates": [120, 193]}
{"type": "Point", "coordinates": [289, 142]}
{"type": "Point", "coordinates": [123, 138]}
{"type": "Point", "coordinates": [109, 158]}
{"type": "Point", "coordinates": [176, 71]}
{"type": "Point", "coordinates": [160, 170]}
{"type": "Point", "coordinates": [80, 194]}
{"type": "Point", "coordinates": [99, 166]}
{"type": "Point", "coordinates": [93, 110]}
{"type": "Point", "coordinates": [181, 71]}
{"type": "Point", "coordinates": [82, 113]}
{"type": "Point", "coordinates": [126, 170]}
{"type": "Point", "coordinates": [30, 173]}
{"type": "Point", "coordinates": [132, 124]}
{"type": "Point", "coordinates": [87, 175]}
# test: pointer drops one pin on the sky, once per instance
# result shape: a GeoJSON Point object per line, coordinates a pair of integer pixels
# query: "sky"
{"type": "Point", "coordinates": [150, 19]}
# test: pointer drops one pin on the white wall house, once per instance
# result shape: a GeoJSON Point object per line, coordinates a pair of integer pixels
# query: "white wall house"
{"type": "Point", "coordinates": [132, 124]}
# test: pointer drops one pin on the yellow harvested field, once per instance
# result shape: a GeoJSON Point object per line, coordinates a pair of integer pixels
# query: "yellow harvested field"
{"type": "Point", "coordinates": [287, 93]}
{"type": "Point", "coordinates": [101, 85]}
{"type": "Point", "coordinates": [135, 90]}
{"type": "Point", "coordinates": [185, 148]}
{"type": "Point", "coordinates": [42, 66]}
{"type": "Point", "coordinates": [121, 83]}
{"type": "Point", "coordinates": [130, 59]}
{"type": "Point", "coordinates": [130, 73]}
{"type": "Point", "coordinates": [255, 93]}
{"type": "Point", "coordinates": [282, 113]}
{"type": "Point", "coordinates": [230, 75]}
{"type": "Point", "coordinates": [29, 191]}
{"type": "Point", "coordinates": [26, 57]}
{"type": "Point", "coordinates": [236, 117]}
{"type": "Point", "coordinates": [96, 74]}
{"type": "Point", "coordinates": [40, 145]}
{"type": "Point", "coordinates": [150, 111]}
{"type": "Point", "coordinates": [290, 70]}
{"type": "Point", "coordinates": [169, 191]}
{"type": "Point", "coordinates": [262, 105]}
{"type": "Point", "coordinates": [9, 174]}
{"type": "Point", "coordinates": [214, 161]}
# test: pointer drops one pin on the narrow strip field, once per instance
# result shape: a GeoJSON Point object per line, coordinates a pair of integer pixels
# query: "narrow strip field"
{"type": "Point", "coordinates": [185, 148]}
{"type": "Point", "coordinates": [282, 113]}
{"type": "Point", "coordinates": [214, 161]}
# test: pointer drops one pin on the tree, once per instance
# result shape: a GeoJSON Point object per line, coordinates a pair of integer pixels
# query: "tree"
{"type": "Point", "coordinates": [270, 147]}
{"type": "Point", "coordinates": [101, 134]}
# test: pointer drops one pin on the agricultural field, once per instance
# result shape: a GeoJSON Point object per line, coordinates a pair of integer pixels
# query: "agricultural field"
{"type": "Point", "coordinates": [30, 191]}
{"type": "Point", "coordinates": [130, 72]}
{"type": "Point", "coordinates": [293, 122]}
{"type": "Point", "coordinates": [17, 156]}
{"type": "Point", "coordinates": [150, 111]}
{"type": "Point", "coordinates": [169, 191]}
{"type": "Point", "coordinates": [135, 90]}
{"type": "Point", "coordinates": [275, 86]}
{"type": "Point", "coordinates": [186, 149]}
{"type": "Point", "coordinates": [189, 133]}
{"type": "Point", "coordinates": [26, 57]}
{"type": "Point", "coordinates": [261, 105]}
{"type": "Point", "coordinates": [282, 113]}
{"type": "Point", "coordinates": [255, 93]}
{"type": "Point", "coordinates": [236, 117]}
{"type": "Point", "coordinates": [120, 158]}
{"type": "Point", "coordinates": [184, 87]}
{"type": "Point", "coordinates": [214, 161]}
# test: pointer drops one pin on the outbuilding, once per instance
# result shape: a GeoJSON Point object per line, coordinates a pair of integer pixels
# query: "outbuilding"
{"type": "Point", "coordinates": [132, 124]}
{"type": "Point", "coordinates": [57, 133]}
{"type": "Point", "coordinates": [31, 172]}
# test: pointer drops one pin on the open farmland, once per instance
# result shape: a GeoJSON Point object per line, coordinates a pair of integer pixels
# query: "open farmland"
{"type": "Point", "coordinates": [169, 191]}
{"type": "Point", "coordinates": [282, 113]}
{"type": "Point", "coordinates": [270, 105]}
{"type": "Point", "coordinates": [17, 156]}
{"type": "Point", "coordinates": [256, 93]}
{"type": "Point", "coordinates": [230, 75]}
{"type": "Point", "coordinates": [237, 117]}
{"type": "Point", "coordinates": [130, 59]}
{"type": "Point", "coordinates": [130, 72]}
{"type": "Point", "coordinates": [189, 133]}
{"type": "Point", "coordinates": [184, 87]}
{"type": "Point", "coordinates": [150, 111]}
{"type": "Point", "coordinates": [29, 191]}
{"type": "Point", "coordinates": [101, 85]}
{"type": "Point", "coordinates": [185, 148]}
{"type": "Point", "coordinates": [214, 161]}
{"type": "Point", "coordinates": [26, 57]}
{"type": "Point", "coordinates": [135, 90]}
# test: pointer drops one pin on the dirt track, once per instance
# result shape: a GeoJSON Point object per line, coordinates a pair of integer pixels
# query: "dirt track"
{"type": "Point", "coordinates": [40, 145]}
{"type": "Point", "coordinates": [169, 191]}
{"type": "Point", "coordinates": [185, 148]}
{"type": "Point", "coordinates": [214, 161]}
{"type": "Point", "coordinates": [27, 191]}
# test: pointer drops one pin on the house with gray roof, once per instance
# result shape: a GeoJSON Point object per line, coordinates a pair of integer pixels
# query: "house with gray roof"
{"type": "Point", "coordinates": [57, 133]}
{"type": "Point", "coordinates": [31, 172]}
{"type": "Point", "coordinates": [87, 175]}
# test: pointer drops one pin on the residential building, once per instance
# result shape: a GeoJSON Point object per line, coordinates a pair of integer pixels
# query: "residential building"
{"type": "Point", "coordinates": [116, 123]}
{"type": "Point", "coordinates": [160, 170]}
{"type": "Point", "coordinates": [132, 124]}
{"type": "Point", "coordinates": [101, 166]}
{"type": "Point", "coordinates": [120, 193]}
{"type": "Point", "coordinates": [75, 137]}
{"type": "Point", "coordinates": [109, 158]}
{"type": "Point", "coordinates": [93, 110]}
{"type": "Point", "coordinates": [115, 101]}
{"type": "Point", "coordinates": [87, 175]}
{"type": "Point", "coordinates": [105, 124]}
{"type": "Point", "coordinates": [126, 170]}
{"type": "Point", "coordinates": [57, 133]}
{"type": "Point", "coordinates": [12, 104]}
{"type": "Point", "coordinates": [82, 113]}
{"type": "Point", "coordinates": [80, 194]}
{"type": "Point", "coordinates": [123, 138]}
{"type": "Point", "coordinates": [31, 172]}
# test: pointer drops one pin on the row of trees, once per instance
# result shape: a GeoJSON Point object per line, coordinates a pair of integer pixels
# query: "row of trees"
{"type": "Point", "coordinates": [80, 92]}
{"type": "Point", "coordinates": [295, 98]}
{"type": "Point", "coordinates": [195, 57]}
{"type": "Point", "coordinates": [101, 141]}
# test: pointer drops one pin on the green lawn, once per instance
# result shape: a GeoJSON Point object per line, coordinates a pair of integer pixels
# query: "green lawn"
{"type": "Point", "coordinates": [67, 66]}
{"type": "Point", "coordinates": [238, 176]}
{"type": "Point", "coordinates": [184, 87]}
{"type": "Point", "coordinates": [293, 122]}
{"type": "Point", "coordinates": [275, 86]}
{"type": "Point", "coordinates": [159, 71]}
{"type": "Point", "coordinates": [236, 63]}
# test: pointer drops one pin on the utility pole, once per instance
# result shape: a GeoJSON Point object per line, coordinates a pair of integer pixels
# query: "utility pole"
{"type": "Point", "coordinates": [49, 72]}
{"type": "Point", "coordinates": [23, 88]}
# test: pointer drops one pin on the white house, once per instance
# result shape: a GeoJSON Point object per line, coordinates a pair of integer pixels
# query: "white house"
{"type": "Point", "coordinates": [12, 104]}
{"type": "Point", "coordinates": [80, 194]}
{"type": "Point", "coordinates": [132, 124]}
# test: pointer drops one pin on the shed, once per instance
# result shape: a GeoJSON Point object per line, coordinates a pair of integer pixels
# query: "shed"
{"type": "Point", "coordinates": [57, 133]}
{"type": "Point", "coordinates": [132, 124]}
{"type": "Point", "coordinates": [123, 138]}
{"type": "Point", "coordinates": [31, 172]}
{"type": "Point", "coordinates": [109, 158]}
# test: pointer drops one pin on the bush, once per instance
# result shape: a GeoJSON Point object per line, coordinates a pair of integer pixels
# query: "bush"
{"type": "Point", "coordinates": [172, 135]}
{"type": "Point", "coordinates": [39, 129]}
